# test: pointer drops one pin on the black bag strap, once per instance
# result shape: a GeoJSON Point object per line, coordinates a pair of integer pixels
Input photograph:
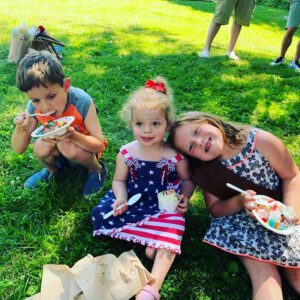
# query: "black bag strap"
{"type": "Point", "coordinates": [212, 177]}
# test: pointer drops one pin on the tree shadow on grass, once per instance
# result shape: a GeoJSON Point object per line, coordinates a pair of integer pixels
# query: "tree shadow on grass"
{"type": "Point", "coordinates": [55, 223]}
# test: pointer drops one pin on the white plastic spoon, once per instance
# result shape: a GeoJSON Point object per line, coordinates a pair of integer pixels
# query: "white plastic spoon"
{"type": "Point", "coordinates": [49, 113]}
{"type": "Point", "coordinates": [131, 201]}
{"type": "Point", "coordinates": [257, 200]}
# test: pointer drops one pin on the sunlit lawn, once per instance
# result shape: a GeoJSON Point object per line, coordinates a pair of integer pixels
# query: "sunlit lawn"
{"type": "Point", "coordinates": [112, 47]}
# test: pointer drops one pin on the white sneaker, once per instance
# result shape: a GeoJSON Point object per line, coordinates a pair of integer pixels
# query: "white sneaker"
{"type": "Point", "coordinates": [295, 65]}
{"type": "Point", "coordinates": [232, 55]}
{"type": "Point", "coordinates": [204, 53]}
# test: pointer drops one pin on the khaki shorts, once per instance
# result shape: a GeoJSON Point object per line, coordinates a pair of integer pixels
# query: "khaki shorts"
{"type": "Point", "coordinates": [242, 11]}
{"type": "Point", "coordinates": [294, 15]}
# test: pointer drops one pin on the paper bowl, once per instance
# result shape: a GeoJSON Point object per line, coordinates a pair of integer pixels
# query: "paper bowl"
{"type": "Point", "coordinates": [167, 203]}
{"type": "Point", "coordinates": [38, 132]}
{"type": "Point", "coordinates": [269, 202]}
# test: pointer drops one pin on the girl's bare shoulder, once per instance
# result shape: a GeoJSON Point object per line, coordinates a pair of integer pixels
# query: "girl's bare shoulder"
{"type": "Point", "coordinates": [169, 152]}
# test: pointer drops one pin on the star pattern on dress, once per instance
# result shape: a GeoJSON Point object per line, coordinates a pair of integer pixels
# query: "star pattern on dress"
{"type": "Point", "coordinates": [150, 182]}
{"type": "Point", "coordinates": [151, 172]}
{"type": "Point", "coordinates": [136, 186]}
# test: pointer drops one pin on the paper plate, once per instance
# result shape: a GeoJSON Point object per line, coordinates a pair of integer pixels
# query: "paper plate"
{"type": "Point", "coordinates": [287, 231]}
{"type": "Point", "coordinates": [37, 133]}
{"type": "Point", "coordinates": [266, 201]}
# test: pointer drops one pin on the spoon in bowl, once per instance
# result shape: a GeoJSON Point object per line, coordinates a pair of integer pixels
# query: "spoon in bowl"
{"type": "Point", "coordinates": [131, 201]}
{"type": "Point", "coordinates": [49, 113]}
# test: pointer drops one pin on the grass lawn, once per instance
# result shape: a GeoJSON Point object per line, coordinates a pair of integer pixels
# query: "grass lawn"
{"type": "Point", "coordinates": [112, 47]}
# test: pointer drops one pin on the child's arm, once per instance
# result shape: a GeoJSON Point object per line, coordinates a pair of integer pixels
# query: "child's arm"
{"type": "Point", "coordinates": [22, 134]}
{"type": "Point", "coordinates": [220, 208]}
{"type": "Point", "coordinates": [281, 161]}
{"type": "Point", "coordinates": [92, 143]}
{"type": "Point", "coordinates": [119, 185]}
{"type": "Point", "coordinates": [187, 186]}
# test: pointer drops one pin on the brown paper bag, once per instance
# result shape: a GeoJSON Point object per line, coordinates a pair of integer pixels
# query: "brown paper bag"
{"type": "Point", "coordinates": [18, 48]}
{"type": "Point", "coordinates": [104, 277]}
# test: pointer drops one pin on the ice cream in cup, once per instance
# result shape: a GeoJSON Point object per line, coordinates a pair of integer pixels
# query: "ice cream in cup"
{"type": "Point", "coordinates": [168, 200]}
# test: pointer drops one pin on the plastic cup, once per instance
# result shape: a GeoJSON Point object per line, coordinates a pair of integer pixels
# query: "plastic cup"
{"type": "Point", "coordinates": [168, 200]}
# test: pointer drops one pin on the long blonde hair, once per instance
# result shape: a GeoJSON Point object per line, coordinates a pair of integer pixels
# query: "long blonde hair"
{"type": "Point", "coordinates": [156, 94]}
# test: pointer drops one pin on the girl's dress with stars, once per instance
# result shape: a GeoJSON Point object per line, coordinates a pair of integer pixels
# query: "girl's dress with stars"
{"type": "Point", "coordinates": [143, 222]}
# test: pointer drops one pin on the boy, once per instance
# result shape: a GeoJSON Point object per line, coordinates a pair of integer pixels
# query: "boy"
{"type": "Point", "coordinates": [40, 75]}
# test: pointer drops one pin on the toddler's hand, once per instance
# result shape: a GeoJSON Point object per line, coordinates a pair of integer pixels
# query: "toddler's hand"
{"type": "Point", "coordinates": [183, 204]}
{"type": "Point", "coordinates": [116, 204]}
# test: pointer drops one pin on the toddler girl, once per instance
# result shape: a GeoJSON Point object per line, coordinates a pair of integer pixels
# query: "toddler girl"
{"type": "Point", "coordinates": [254, 160]}
{"type": "Point", "coordinates": [147, 166]}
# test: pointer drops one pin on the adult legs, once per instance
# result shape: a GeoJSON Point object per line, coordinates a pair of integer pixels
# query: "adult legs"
{"type": "Point", "coordinates": [212, 32]}
{"type": "Point", "coordinates": [235, 32]}
{"type": "Point", "coordinates": [265, 279]}
{"type": "Point", "coordinates": [297, 53]}
{"type": "Point", "coordinates": [287, 40]}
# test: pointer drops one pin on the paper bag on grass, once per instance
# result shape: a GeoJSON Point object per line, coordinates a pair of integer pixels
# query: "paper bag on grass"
{"type": "Point", "coordinates": [20, 42]}
{"type": "Point", "coordinates": [104, 277]}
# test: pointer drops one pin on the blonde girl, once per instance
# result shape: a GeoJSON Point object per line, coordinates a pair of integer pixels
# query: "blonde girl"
{"type": "Point", "coordinates": [147, 165]}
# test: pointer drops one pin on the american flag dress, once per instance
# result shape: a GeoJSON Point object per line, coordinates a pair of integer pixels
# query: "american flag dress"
{"type": "Point", "coordinates": [143, 222]}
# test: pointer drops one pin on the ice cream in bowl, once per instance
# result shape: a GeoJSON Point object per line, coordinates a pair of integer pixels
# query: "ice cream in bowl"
{"type": "Point", "coordinates": [168, 200]}
{"type": "Point", "coordinates": [53, 128]}
{"type": "Point", "coordinates": [274, 215]}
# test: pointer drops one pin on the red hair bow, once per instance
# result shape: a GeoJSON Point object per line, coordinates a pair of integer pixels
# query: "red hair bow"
{"type": "Point", "coordinates": [155, 85]}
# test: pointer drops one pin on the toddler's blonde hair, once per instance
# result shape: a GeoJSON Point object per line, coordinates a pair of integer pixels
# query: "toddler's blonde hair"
{"type": "Point", "coordinates": [150, 98]}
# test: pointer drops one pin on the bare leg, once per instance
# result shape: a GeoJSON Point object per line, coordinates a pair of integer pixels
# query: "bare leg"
{"type": "Point", "coordinates": [161, 266]}
{"type": "Point", "coordinates": [212, 32]}
{"type": "Point", "coordinates": [235, 32]}
{"type": "Point", "coordinates": [293, 277]}
{"type": "Point", "coordinates": [150, 253]}
{"type": "Point", "coordinates": [46, 154]}
{"type": "Point", "coordinates": [265, 279]}
{"type": "Point", "coordinates": [297, 53]}
{"type": "Point", "coordinates": [79, 156]}
{"type": "Point", "coordinates": [287, 40]}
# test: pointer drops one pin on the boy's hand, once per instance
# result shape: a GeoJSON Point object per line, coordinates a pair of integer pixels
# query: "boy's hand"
{"type": "Point", "coordinates": [116, 204]}
{"type": "Point", "coordinates": [183, 204]}
{"type": "Point", "coordinates": [23, 122]}
{"type": "Point", "coordinates": [60, 138]}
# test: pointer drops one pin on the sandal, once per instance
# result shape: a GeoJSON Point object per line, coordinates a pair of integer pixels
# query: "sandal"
{"type": "Point", "coordinates": [148, 293]}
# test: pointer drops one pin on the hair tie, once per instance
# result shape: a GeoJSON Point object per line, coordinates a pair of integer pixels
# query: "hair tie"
{"type": "Point", "coordinates": [156, 85]}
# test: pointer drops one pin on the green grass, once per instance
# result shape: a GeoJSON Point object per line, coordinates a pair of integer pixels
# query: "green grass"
{"type": "Point", "coordinates": [112, 47]}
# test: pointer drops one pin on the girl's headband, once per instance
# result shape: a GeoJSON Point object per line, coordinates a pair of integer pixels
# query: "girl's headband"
{"type": "Point", "coordinates": [156, 85]}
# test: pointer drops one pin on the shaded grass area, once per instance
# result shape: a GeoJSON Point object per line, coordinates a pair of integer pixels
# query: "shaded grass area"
{"type": "Point", "coordinates": [112, 48]}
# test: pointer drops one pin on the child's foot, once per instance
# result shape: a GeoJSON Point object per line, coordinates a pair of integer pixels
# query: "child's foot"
{"type": "Point", "coordinates": [94, 182]}
{"type": "Point", "coordinates": [204, 53]}
{"type": "Point", "coordinates": [150, 253]}
{"type": "Point", "coordinates": [34, 181]}
{"type": "Point", "coordinates": [147, 293]}
{"type": "Point", "coordinates": [232, 55]}
{"type": "Point", "coordinates": [278, 61]}
{"type": "Point", "coordinates": [295, 65]}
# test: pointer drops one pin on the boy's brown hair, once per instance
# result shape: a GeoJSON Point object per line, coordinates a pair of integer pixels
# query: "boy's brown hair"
{"type": "Point", "coordinates": [39, 68]}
